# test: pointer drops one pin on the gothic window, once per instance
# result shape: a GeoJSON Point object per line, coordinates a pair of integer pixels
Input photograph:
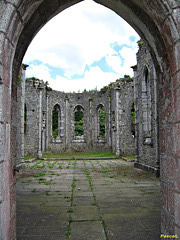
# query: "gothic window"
{"type": "Point", "coordinates": [56, 122]}
{"type": "Point", "coordinates": [78, 122]}
{"type": "Point", "coordinates": [133, 120]}
{"type": "Point", "coordinates": [101, 121]}
{"type": "Point", "coordinates": [146, 103]}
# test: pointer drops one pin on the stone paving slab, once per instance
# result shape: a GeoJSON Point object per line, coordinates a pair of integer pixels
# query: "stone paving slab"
{"type": "Point", "coordinates": [90, 230]}
{"type": "Point", "coordinates": [99, 200]}
{"type": "Point", "coordinates": [85, 213]}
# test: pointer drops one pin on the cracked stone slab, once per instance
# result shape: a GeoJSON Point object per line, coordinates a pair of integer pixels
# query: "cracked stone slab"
{"type": "Point", "coordinates": [90, 230]}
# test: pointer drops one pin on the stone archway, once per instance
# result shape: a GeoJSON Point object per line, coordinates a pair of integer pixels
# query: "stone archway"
{"type": "Point", "coordinates": [155, 21]}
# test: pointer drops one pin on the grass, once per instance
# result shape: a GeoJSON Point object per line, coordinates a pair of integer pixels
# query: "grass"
{"type": "Point", "coordinates": [40, 174]}
{"type": "Point", "coordinates": [75, 155]}
{"type": "Point", "coordinates": [47, 193]}
{"type": "Point", "coordinates": [130, 157]}
{"type": "Point", "coordinates": [26, 158]}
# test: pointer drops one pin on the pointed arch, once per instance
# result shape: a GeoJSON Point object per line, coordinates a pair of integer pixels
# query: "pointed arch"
{"type": "Point", "coordinates": [79, 123]}
{"type": "Point", "coordinates": [57, 128]}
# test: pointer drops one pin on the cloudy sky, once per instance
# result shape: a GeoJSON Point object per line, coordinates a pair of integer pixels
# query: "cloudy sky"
{"type": "Point", "coordinates": [86, 46]}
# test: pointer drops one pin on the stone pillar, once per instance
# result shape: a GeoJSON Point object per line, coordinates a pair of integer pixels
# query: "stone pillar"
{"type": "Point", "coordinates": [136, 82]}
{"type": "Point", "coordinates": [109, 122]}
{"type": "Point", "coordinates": [39, 153]}
{"type": "Point", "coordinates": [118, 150]}
{"type": "Point", "coordinates": [66, 122]}
{"type": "Point", "coordinates": [157, 164]}
{"type": "Point", "coordinates": [47, 122]}
{"type": "Point", "coordinates": [22, 99]}
{"type": "Point", "coordinates": [44, 132]}
{"type": "Point", "coordinates": [90, 122]}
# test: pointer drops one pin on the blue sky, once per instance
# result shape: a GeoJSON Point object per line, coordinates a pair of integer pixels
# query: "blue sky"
{"type": "Point", "coordinates": [86, 46]}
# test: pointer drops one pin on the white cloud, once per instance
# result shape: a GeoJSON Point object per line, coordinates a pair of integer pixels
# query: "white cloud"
{"type": "Point", "coordinates": [41, 72]}
{"type": "Point", "coordinates": [114, 62]}
{"type": "Point", "coordinates": [94, 78]}
{"type": "Point", "coordinates": [79, 36]}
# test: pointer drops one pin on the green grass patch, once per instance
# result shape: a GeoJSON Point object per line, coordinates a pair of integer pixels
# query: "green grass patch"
{"type": "Point", "coordinates": [70, 210]}
{"type": "Point", "coordinates": [76, 155]}
{"type": "Point", "coordinates": [40, 174]}
{"type": "Point", "coordinates": [130, 157]}
{"type": "Point", "coordinates": [47, 193]}
{"type": "Point", "coordinates": [36, 164]}
{"type": "Point", "coordinates": [26, 158]}
{"type": "Point", "coordinates": [34, 190]}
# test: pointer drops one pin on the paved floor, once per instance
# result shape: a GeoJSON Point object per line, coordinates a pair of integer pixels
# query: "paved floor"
{"type": "Point", "coordinates": [87, 200]}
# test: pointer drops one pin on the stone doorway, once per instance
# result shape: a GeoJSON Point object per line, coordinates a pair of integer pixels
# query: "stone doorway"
{"type": "Point", "coordinates": [156, 22]}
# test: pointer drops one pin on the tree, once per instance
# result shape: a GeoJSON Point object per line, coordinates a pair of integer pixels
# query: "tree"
{"type": "Point", "coordinates": [79, 131]}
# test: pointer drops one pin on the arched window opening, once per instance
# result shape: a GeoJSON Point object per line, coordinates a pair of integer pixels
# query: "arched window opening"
{"type": "Point", "coordinates": [79, 122]}
{"type": "Point", "coordinates": [101, 116]}
{"type": "Point", "coordinates": [56, 121]}
{"type": "Point", "coordinates": [146, 104]}
{"type": "Point", "coordinates": [133, 120]}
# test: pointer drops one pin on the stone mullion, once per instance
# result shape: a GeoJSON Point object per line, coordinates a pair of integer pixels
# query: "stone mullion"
{"type": "Point", "coordinates": [39, 153]}
{"type": "Point", "coordinates": [118, 151]}
{"type": "Point", "coordinates": [47, 122]}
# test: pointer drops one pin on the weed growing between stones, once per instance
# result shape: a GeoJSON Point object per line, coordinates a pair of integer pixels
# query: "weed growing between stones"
{"type": "Point", "coordinates": [70, 210]}
{"type": "Point", "coordinates": [69, 163]}
{"type": "Point", "coordinates": [68, 233]}
{"type": "Point", "coordinates": [47, 193]}
{"type": "Point", "coordinates": [40, 174]}
{"type": "Point", "coordinates": [35, 165]}
{"type": "Point", "coordinates": [94, 196]}
{"type": "Point", "coordinates": [51, 165]}
{"type": "Point", "coordinates": [34, 190]}
{"type": "Point", "coordinates": [92, 164]}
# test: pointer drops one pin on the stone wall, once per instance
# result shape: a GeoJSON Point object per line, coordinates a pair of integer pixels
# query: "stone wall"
{"type": "Point", "coordinates": [40, 102]}
{"type": "Point", "coordinates": [158, 23]}
{"type": "Point", "coordinates": [146, 112]}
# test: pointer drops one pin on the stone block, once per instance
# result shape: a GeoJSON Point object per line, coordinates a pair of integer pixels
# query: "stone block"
{"type": "Point", "coordinates": [163, 191]}
{"type": "Point", "coordinates": [7, 54]}
{"type": "Point", "coordinates": [14, 28]}
{"type": "Point", "coordinates": [175, 80]}
{"type": "Point", "coordinates": [6, 79]}
{"type": "Point", "coordinates": [176, 104]}
{"type": "Point", "coordinates": [167, 168]}
{"type": "Point", "coordinates": [5, 15]}
{"type": "Point", "coordinates": [167, 223]}
{"type": "Point", "coordinates": [177, 210]}
{"type": "Point", "coordinates": [165, 111]}
{"type": "Point", "coordinates": [176, 139]}
{"type": "Point", "coordinates": [170, 197]}
{"type": "Point", "coordinates": [6, 100]}
{"type": "Point", "coordinates": [2, 38]}
{"type": "Point", "coordinates": [162, 143]}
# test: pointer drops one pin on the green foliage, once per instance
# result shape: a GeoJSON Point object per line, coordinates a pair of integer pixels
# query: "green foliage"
{"type": "Point", "coordinates": [140, 42]}
{"type": "Point", "coordinates": [90, 91]}
{"type": "Point", "coordinates": [48, 88]}
{"type": "Point", "coordinates": [19, 78]}
{"type": "Point", "coordinates": [126, 78]}
{"type": "Point", "coordinates": [102, 122]}
{"type": "Point", "coordinates": [133, 114]}
{"type": "Point", "coordinates": [76, 155]}
{"type": "Point", "coordinates": [55, 122]}
{"type": "Point", "coordinates": [79, 131]}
